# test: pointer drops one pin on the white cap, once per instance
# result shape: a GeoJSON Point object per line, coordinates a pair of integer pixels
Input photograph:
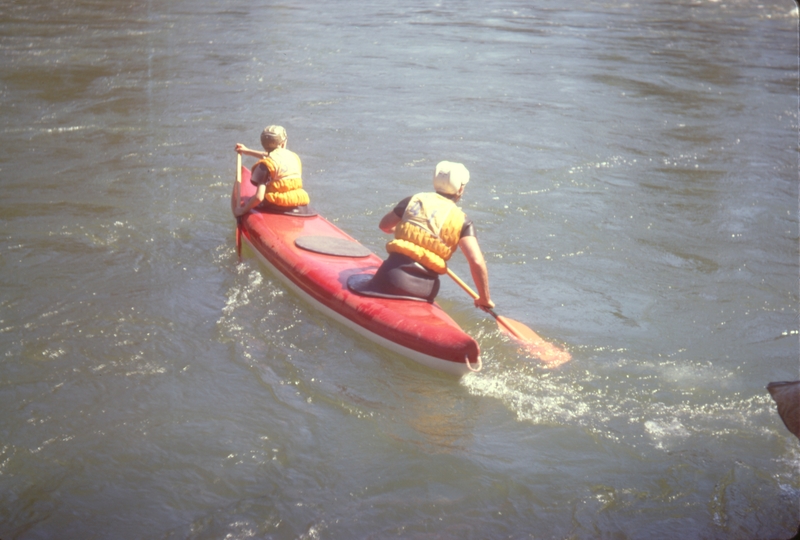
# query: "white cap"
{"type": "Point", "coordinates": [449, 177]}
{"type": "Point", "coordinates": [272, 137]}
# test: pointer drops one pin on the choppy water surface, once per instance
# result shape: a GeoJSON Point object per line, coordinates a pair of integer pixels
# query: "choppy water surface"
{"type": "Point", "coordinates": [635, 185]}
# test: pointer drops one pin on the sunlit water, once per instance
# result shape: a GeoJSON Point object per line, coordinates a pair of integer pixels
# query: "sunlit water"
{"type": "Point", "coordinates": [635, 187]}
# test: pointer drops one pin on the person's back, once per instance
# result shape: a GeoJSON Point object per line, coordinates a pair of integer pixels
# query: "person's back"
{"type": "Point", "coordinates": [282, 173]}
{"type": "Point", "coordinates": [429, 231]}
{"type": "Point", "coordinates": [278, 175]}
{"type": "Point", "coordinates": [428, 228]}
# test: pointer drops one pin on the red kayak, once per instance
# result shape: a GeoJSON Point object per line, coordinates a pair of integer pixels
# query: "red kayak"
{"type": "Point", "coordinates": [316, 259]}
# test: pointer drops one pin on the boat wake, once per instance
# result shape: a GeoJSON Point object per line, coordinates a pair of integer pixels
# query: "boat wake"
{"type": "Point", "coordinates": [633, 402]}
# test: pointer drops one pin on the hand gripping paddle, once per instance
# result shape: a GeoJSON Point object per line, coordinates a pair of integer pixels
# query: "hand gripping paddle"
{"type": "Point", "coordinates": [531, 342]}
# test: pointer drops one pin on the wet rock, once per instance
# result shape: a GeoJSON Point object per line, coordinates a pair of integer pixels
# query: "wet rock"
{"type": "Point", "coordinates": [787, 395]}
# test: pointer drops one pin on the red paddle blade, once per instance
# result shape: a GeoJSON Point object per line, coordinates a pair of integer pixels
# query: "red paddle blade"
{"type": "Point", "coordinates": [532, 343]}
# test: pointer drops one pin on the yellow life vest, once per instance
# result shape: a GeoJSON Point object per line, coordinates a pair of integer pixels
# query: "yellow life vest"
{"type": "Point", "coordinates": [429, 231]}
{"type": "Point", "coordinates": [286, 173]}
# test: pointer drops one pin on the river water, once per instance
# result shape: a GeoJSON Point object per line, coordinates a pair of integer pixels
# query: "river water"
{"type": "Point", "coordinates": [634, 183]}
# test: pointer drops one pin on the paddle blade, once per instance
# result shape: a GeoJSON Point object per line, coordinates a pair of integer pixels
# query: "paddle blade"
{"type": "Point", "coordinates": [532, 343]}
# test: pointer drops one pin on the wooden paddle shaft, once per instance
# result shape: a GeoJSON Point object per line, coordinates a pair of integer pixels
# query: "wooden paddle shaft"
{"type": "Point", "coordinates": [505, 323]}
{"type": "Point", "coordinates": [472, 293]}
{"type": "Point", "coordinates": [238, 188]}
{"type": "Point", "coordinates": [463, 285]}
{"type": "Point", "coordinates": [475, 296]}
{"type": "Point", "coordinates": [547, 352]}
{"type": "Point", "coordinates": [238, 179]}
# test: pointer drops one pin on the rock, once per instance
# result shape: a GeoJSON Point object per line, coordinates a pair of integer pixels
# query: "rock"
{"type": "Point", "coordinates": [787, 395]}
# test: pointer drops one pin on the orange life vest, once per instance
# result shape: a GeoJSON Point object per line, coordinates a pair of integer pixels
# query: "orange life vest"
{"type": "Point", "coordinates": [429, 231]}
{"type": "Point", "coordinates": [286, 173]}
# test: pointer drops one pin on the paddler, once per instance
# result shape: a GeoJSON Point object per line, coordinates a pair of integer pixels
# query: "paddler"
{"type": "Point", "coordinates": [278, 175]}
{"type": "Point", "coordinates": [428, 228]}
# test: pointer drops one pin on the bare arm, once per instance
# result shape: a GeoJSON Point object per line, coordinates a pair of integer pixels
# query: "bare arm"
{"type": "Point", "coordinates": [389, 222]}
{"type": "Point", "coordinates": [252, 202]}
{"type": "Point", "coordinates": [477, 267]}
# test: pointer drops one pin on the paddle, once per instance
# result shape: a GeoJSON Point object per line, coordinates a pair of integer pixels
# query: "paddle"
{"type": "Point", "coordinates": [238, 189]}
{"type": "Point", "coordinates": [531, 341]}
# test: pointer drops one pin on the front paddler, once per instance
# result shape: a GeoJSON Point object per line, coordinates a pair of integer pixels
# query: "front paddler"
{"type": "Point", "coordinates": [278, 175]}
{"type": "Point", "coordinates": [428, 228]}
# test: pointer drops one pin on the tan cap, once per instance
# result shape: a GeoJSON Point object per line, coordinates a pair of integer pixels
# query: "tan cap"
{"type": "Point", "coordinates": [272, 137]}
{"type": "Point", "coordinates": [449, 177]}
